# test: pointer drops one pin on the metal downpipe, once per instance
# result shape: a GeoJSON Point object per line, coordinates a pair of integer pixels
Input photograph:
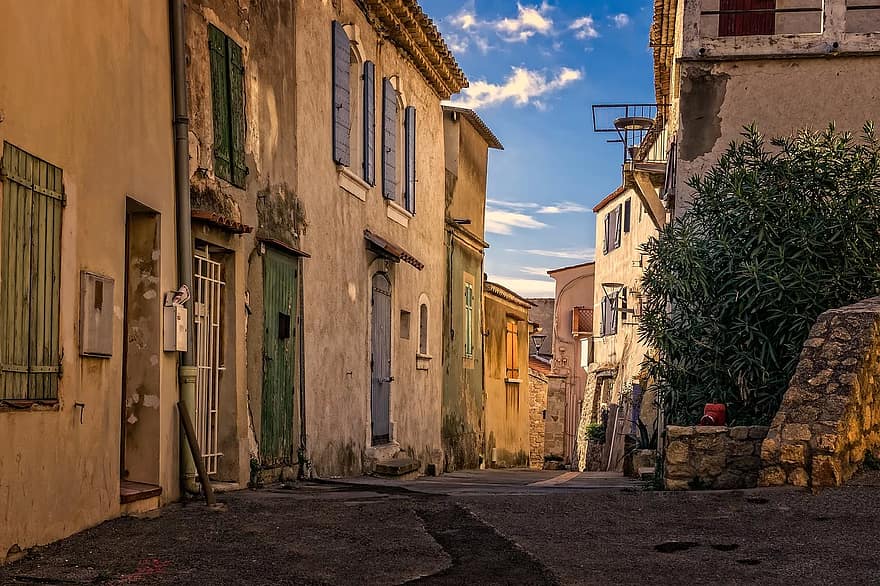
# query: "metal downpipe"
{"type": "Point", "coordinates": [186, 365]}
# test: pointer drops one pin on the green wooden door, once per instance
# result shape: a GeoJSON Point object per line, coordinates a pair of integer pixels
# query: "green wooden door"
{"type": "Point", "coordinates": [279, 347]}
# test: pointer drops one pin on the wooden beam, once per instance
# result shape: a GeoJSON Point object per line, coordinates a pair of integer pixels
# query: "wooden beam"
{"type": "Point", "coordinates": [649, 197]}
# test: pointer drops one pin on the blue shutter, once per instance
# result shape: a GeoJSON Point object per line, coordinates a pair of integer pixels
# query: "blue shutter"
{"type": "Point", "coordinates": [370, 122]}
{"type": "Point", "coordinates": [606, 241]}
{"type": "Point", "coordinates": [341, 96]}
{"type": "Point", "coordinates": [410, 163]}
{"type": "Point", "coordinates": [602, 321]}
{"type": "Point", "coordinates": [618, 213]}
{"type": "Point", "coordinates": [389, 140]}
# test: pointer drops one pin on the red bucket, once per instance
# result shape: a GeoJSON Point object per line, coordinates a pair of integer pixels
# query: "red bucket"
{"type": "Point", "coordinates": [714, 414]}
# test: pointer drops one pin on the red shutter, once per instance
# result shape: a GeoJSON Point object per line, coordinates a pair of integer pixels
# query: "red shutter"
{"type": "Point", "coordinates": [747, 17]}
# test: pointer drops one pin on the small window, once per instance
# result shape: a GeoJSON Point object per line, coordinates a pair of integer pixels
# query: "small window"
{"type": "Point", "coordinates": [405, 318]}
{"type": "Point", "coordinates": [423, 329]}
{"type": "Point", "coordinates": [468, 320]}
{"type": "Point", "coordinates": [227, 95]}
{"type": "Point", "coordinates": [627, 214]}
{"type": "Point", "coordinates": [512, 345]}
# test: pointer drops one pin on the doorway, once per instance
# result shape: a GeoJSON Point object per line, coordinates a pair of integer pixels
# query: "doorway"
{"type": "Point", "coordinates": [380, 360]}
{"type": "Point", "coordinates": [279, 352]}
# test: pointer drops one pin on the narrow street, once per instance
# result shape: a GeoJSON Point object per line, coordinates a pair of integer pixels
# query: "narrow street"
{"type": "Point", "coordinates": [490, 527]}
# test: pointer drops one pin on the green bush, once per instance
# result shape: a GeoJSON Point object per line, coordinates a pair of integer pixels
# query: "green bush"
{"type": "Point", "coordinates": [596, 432]}
{"type": "Point", "coordinates": [775, 237]}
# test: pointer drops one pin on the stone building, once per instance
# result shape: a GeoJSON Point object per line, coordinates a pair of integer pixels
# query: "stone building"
{"type": "Point", "coordinates": [782, 65]}
{"type": "Point", "coordinates": [538, 386]}
{"type": "Point", "coordinates": [572, 333]}
{"type": "Point", "coordinates": [87, 217]}
{"type": "Point", "coordinates": [467, 144]}
{"type": "Point", "coordinates": [506, 361]}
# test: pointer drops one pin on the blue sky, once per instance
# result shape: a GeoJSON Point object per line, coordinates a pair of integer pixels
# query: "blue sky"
{"type": "Point", "coordinates": [535, 70]}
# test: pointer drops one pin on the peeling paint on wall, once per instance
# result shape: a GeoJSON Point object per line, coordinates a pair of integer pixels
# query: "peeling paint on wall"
{"type": "Point", "coordinates": [702, 95]}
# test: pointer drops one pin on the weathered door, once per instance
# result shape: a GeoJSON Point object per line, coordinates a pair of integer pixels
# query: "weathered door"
{"type": "Point", "coordinates": [380, 361]}
{"type": "Point", "coordinates": [279, 347]}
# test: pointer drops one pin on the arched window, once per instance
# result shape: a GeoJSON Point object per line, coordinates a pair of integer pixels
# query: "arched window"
{"type": "Point", "coordinates": [423, 329]}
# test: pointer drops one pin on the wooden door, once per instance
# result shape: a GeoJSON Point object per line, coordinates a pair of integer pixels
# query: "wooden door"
{"type": "Point", "coordinates": [279, 348]}
{"type": "Point", "coordinates": [380, 360]}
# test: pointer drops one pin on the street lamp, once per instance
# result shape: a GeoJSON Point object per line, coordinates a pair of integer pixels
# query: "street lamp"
{"type": "Point", "coordinates": [538, 341]}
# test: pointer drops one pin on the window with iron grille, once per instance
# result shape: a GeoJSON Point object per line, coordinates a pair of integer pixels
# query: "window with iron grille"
{"type": "Point", "coordinates": [581, 320]}
{"type": "Point", "coordinates": [227, 96]}
{"type": "Point", "coordinates": [512, 340]}
{"type": "Point", "coordinates": [30, 275]}
{"type": "Point", "coordinates": [468, 320]}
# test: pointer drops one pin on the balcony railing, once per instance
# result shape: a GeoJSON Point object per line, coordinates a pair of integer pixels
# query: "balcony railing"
{"type": "Point", "coordinates": [638, 128]}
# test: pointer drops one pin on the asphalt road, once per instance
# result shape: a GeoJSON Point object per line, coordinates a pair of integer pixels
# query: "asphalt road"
{"type": "Point", "coordinates": [489, 527]}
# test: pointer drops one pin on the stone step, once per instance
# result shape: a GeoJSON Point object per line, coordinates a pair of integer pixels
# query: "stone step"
{"type": "Point", "coordinates": [397, 467]}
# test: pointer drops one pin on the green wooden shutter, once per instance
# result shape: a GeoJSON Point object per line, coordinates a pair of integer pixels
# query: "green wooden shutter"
{"type": "Point", "coordinates": [220, 103]}
{"type": "Point", "coordinates": [33, 198]}
{"type": "Point", "coordinates": [237, 116]}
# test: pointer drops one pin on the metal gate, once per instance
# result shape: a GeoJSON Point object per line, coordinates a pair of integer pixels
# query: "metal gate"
{"type": "Point", "coordinates": [209, 285]}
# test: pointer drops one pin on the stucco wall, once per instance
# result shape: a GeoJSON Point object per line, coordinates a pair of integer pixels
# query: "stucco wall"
{"type": "Point", "coordinates": [507, 402]}
{"type": "Point", "coordinates": [574, 287]}
{"type": "Point", "coordinates": [337, 294]}
{"type": "Point", "coordinates": [86, 86]}
{"type": "Point", "coordinates": [781, 95]}
{"type": "Point", "coordinates": [830, 415]}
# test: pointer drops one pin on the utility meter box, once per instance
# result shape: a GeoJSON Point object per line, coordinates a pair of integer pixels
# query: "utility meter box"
{"type": "Point", "coordinates": [175, 328]}
{"type": "Point", "coordinates": [96, 315]}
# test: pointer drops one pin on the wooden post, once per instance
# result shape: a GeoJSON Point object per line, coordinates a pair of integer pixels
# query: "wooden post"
{"type": "Point", "coordinates": [196, 454]}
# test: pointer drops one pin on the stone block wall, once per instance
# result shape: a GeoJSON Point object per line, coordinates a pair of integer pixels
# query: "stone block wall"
{"type": "Point", "coordinates": [712, 458]}
{"type": "Point", "coordinates": [830, 414]}
{"type": "Point", "coordinates": [537, 408]}
{"type": "Point", "coordinates": [554, 424]}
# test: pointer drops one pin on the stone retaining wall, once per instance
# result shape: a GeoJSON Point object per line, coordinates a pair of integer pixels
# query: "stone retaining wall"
{"type": "Point", "coordinates": [537, 413]}
{"type": "Point", "coordinates": [715, 458]}
{"type": "Point", "coordinates": [830, 415]}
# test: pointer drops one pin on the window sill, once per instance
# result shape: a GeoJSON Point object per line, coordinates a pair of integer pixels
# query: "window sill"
{"type": "Point", "coordinates": [351, 183]}
{"type": "Point", "coordinates": [397, 213]}
{"type": "Point", "coordinates": [423, 361]}
{"type": "Point", "coordinates": [513, 381]}
{"type": "Point", "coordinates": [28, 406]}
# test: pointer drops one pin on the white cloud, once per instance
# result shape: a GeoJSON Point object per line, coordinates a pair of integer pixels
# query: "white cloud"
{"type": "Point", "coordinates": [465, 20]}
{"type": "Point", "coordinates": [457, 43]}
{"type": "Point", "coordinates": [535, 271]}
{"type": "Point", "coordinates": [566, 207]}
{"type": "Point", "coordinates": [516, 205]}
{"type": "Point", "coordinates": [529, 21]}
{"type": "Point", "coordinates": [585, 28]}
{"type": "Point", "coordinates": [581, 254]}
{"type": "Point", "coordinates": [621, 20]}
{"type": "Point", "coordinates": [504, 222]}
{"type": "Point", "coordinates": [522, 87]}
{"type": "Point", "coordinates": [527, 287]}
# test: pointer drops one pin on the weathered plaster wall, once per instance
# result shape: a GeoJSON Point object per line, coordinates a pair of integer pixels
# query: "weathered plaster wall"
{"type": "Point", "coordinates": [267, 202]}
{"type": "Point", "coordinates": [337, 294]}
{"type": "Point", "coordinates": [714, 458]}
{"type": "Point", "coordinates": [507, 400]}
{"type": "Point", "coordinates": [781, 95]}
{"type": "Point", "coordinates": [621, 353]}
{"type": "Point", "coordinates": [86, 86]}
{"type": "Point", "coordinates": [537, 412]}
{"type": "Point", "coordinates": [830, 415]}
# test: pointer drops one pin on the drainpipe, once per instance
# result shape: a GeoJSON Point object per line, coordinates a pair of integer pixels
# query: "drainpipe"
{"type": "Point", "coordinates": [186, 365]}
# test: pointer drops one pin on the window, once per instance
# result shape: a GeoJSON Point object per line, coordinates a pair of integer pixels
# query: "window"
{"type": "Point", "coordinates": [627, 214]}
{"type": "Point", "coordinates": [747, 17]}
{"type": "Point", "coordinates": [405, 324]}
{"type": "Point", "coordinates": [423, 329]}
{"type": "Point", "coordinates": [227, 95]}
{"type": "Point", "coordinates": [469, 320]}
{"type": "Point", "coordinates": [512, 345]}
{"type": "Point", "coordinates": [612, 229]}
{"type": "Point", "coordinates": [30, 257]}
{"type": "Point", "coordinates": [398, 148]}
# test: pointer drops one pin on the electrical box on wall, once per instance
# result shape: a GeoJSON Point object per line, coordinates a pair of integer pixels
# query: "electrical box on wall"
{"type": "Point", "coordinates": [175, 328]}
{"type": "Point", "coordinates": [96, 315]}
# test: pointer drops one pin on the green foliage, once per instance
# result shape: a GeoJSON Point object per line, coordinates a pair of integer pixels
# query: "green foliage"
{"type": "Point", "coordinates": [596, 432]}
{"type": "Point", "coordinates": [775, 237]}
{"type": "Point", "coordinates": [646, 439]}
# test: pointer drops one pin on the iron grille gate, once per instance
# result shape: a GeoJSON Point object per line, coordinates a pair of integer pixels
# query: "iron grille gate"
{"type": "Point", "coordinates": [209, 285]}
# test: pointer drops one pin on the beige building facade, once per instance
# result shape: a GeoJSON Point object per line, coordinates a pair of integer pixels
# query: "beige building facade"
{"type": "Point", "coordinates": [87, 208]}
{"type": "Point", "coordinates": [506, 381]}
{"type": "Point", "coordinates": [572, 343]}
{"type": "Point", "coordinates": [781, 65]}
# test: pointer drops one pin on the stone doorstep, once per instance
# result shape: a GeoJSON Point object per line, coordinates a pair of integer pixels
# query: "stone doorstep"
{"type": "Point", "coordinates": [397, 467]}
